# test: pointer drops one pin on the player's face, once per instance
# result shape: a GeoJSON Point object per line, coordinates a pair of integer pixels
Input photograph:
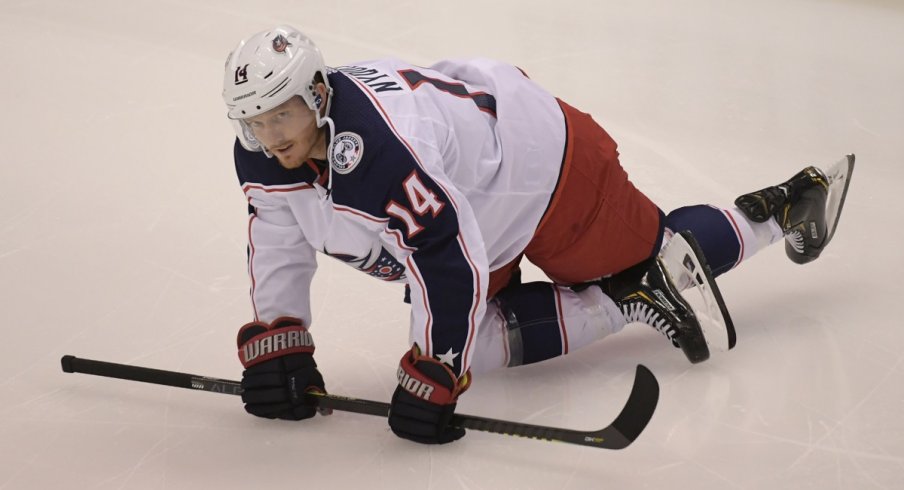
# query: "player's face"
{"type": "Point", "coordinates": [289, 131]}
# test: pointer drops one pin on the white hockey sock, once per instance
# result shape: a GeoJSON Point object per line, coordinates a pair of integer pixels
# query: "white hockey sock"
{"type": "Point", "coordinates": [754, 236]}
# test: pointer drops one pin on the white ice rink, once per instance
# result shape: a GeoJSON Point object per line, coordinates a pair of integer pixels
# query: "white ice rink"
{"type": "Point", "coordinates": [122, 238]}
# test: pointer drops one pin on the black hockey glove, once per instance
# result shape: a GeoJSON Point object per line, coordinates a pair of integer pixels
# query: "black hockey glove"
{"type": "Point", "coordinates": [425, 400]}
{"type": "Point", "coordinates": [279, 367]}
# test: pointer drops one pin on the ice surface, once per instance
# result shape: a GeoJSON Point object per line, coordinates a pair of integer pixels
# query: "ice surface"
{"type": "Point", "coordinates": [122, 238]}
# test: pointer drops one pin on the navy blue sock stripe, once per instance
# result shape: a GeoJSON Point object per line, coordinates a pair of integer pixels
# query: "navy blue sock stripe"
{"type": "Point", "coordinates": [713, 230]}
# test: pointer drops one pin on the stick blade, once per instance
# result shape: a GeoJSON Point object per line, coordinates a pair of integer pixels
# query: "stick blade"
{"type": "Point", "coordinates": [636, 413]}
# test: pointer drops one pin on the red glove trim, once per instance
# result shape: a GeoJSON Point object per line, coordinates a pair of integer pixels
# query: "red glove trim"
{"type": "Point", "coordinates": [275, 343]}
{"type": "Point", "coordinates": [422, 386]}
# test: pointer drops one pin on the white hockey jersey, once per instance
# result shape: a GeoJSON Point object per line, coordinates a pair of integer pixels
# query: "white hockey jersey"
{"type": "Point", "coordinates": [439, 176]}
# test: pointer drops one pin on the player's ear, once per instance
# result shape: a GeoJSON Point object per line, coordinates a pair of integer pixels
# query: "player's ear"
{"type": "Point", "coordinates": [319, 99]}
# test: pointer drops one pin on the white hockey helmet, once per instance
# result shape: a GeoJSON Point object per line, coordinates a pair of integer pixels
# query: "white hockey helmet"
{"type": "Point", "coordinates": [266, 70]}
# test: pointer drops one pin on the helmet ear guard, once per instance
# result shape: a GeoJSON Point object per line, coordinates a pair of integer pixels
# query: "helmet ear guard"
{"type": "Point", "coordinates": [266, 70]}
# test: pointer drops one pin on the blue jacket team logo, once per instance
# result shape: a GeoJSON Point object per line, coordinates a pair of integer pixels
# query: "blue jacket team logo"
{"type": "Point", "coordinates": [280, 43]}
{"type": "Point", "coordinates": [347, 150]}
{"type": "Point", "coordinates": [386, 267]}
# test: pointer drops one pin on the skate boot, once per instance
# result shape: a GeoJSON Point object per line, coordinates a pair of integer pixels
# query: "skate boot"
{"type": "Point", "coordinates": [806, 207]}
{"type": "Point", "coordinates": [646, 294]}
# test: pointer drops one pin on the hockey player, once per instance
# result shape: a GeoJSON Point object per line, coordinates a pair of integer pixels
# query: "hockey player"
{"type": "Point", "coordinates": [444, 178]}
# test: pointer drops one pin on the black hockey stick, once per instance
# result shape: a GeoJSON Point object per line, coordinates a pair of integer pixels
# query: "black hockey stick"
{"type": "Point", "coordinates": [619, 434]}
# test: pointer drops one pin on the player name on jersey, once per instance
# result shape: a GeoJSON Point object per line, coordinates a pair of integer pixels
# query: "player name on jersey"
{"type": "Point", "coordinates": [370, 77]}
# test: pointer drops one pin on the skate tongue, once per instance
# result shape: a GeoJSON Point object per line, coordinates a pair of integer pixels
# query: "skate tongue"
{"type": "Point", "coordinates": [686, 266]}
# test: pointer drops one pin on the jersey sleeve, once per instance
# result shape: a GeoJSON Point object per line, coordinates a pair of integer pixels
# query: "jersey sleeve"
{"type": "Point", "coordinates": [281, 262]}
{"type": "Point", "coordinates": [449, 272]}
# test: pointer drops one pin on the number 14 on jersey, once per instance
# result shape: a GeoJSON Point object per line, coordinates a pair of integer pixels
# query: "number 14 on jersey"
{"type": "Point", "coordinates": [422, 200]}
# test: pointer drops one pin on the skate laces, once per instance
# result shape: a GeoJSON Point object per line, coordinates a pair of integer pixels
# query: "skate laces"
{"type": "Point", "coordinates": [639, 309]}
{"type": "Point", "coordinates": [764, 203]}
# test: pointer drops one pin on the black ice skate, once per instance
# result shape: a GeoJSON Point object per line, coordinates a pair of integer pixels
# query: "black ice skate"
{"type": "Point", "coordinates": [806, 207]}
{"type": "Point", "coordinates": [646, 293]}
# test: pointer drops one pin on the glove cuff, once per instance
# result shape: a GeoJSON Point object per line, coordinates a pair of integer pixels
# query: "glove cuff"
{"type": "Point", "coordinates": [259, 342]}
{"type": "Point", "coordinates": [430, 380]}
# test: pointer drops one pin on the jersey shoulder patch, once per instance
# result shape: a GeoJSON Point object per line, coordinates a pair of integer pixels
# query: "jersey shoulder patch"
{"type": "Point", "coordinates": [366, 156]}
{"type": "Point", "coordinates": [346, 151]}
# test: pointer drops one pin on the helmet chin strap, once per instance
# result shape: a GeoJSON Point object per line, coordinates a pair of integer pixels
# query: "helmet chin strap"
{"type": "Point", "coordinates": [329, 150]}
{"type": "Point", "coordinates": [331, 134]}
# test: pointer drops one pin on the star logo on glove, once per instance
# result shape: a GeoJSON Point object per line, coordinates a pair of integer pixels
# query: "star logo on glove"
{"type": "Point", "coordinates": [448, 357]}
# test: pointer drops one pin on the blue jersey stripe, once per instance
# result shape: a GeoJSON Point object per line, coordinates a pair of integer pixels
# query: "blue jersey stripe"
{"type": "Point", "coordinates": [441, 263]}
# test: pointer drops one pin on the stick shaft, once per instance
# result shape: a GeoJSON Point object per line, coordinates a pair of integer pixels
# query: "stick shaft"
{"type": "Point", "coordinates": [621, 433]}
{"type": "Point", "coordinates": [72, 364]}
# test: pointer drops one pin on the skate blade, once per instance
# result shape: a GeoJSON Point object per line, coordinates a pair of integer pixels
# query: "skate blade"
{"type": "Point", "coordinates": [839, 176]}
{"type": "Point", "coordinates": [688, 270]}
